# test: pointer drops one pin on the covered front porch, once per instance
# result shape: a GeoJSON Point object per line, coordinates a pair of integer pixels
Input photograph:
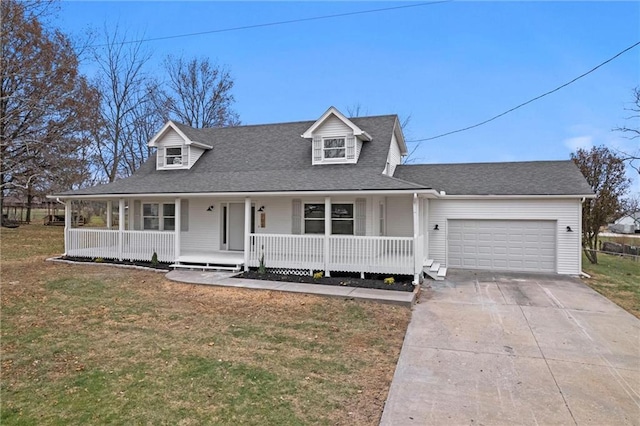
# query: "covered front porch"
{"type": "Point", "coordinates": [306, 234]}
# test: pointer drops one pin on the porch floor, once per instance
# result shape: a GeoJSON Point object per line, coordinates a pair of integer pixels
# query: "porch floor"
{"type": "Point", "coordinates": [231, 258]}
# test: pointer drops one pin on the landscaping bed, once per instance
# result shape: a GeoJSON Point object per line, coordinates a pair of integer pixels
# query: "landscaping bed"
{"type": "Point", "coordinates": [159, 265]}
{"type": "Point", "coordinates": [401, 283]}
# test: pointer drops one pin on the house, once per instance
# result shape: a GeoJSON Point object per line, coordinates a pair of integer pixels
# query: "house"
{"type": "Point", "coordinates": [333, 195]}
{"type": "Point", "coordinates": [627, 224]}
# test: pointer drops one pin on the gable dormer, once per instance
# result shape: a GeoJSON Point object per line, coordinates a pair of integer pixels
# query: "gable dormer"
{"type": "Point", "coordinates": [176, 150]}
{"type": "Point", "coordinates": [335, 139]}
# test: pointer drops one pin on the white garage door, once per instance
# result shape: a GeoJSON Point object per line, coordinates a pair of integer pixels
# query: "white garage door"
{"type": "Point", "coordinates": [502, 245]}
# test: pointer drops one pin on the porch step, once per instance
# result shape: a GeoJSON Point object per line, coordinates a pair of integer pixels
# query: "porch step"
{"type": "Point", "coordinates": [427, 263]}
{"type": "Point", "coordinates": [435, 271]}
{"type": "Point", "coordinates": [206, 267]}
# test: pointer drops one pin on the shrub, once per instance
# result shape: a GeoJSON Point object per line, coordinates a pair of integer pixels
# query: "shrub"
{"type": "Point", "coordinates": [154, 260]}
{"type": "Point", "coordinates": [262, 268]}
{"type": "Point", "coordinates": [98, 260]}
{"type": "Point", "coordinates": [389, 280]}
{"type": "Point", "coordinates": [318, 275]}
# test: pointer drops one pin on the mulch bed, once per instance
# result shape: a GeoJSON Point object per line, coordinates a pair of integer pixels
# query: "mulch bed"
{"type": "Point", "coordinates": [401, 284]}
{"type": "Point", "coordinates": [160, 265]}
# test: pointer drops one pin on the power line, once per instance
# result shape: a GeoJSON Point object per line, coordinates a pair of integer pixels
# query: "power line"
{"type": "Point", "coordinates": [271, 24]}
{"type": "Point", "coordinates": [530, 100]}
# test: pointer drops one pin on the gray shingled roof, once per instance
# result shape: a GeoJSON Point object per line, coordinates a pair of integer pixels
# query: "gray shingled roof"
{"type": "Point", "coordinates": [517, 178]}
{"type": "Point", "coordinates": [264, 158]}
{"type": "Point", "coordinates": [274, 158]}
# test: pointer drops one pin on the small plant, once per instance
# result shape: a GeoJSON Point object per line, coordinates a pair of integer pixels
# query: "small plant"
{"type": "Point", "coordinates": [154, 260]}
{"type": "Point", "coordinates": [98, 260]}
{"type": "Point", "coordinates": [318, 275]}
{"type": "Point", "coordinates": [262, 268]}
{"type": "Point", "coordinates": [389, 280]}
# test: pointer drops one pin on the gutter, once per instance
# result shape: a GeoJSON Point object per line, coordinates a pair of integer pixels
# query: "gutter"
{"type": "Point", "coordinates": [428, 193]}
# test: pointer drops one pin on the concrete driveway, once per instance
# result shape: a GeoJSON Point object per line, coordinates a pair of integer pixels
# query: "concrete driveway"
{"type": "Point", "coordinates": [497, 349]}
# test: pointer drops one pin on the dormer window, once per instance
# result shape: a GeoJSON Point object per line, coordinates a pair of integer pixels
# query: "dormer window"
{"type": "Point", "coordinates": [173, 156]}
{"type": "Point", "coordinates": [334, 148]}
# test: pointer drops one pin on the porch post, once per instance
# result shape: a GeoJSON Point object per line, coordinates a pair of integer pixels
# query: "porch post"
{"type": "Point", "coordinates": [327, 233]}
{"type": "Point", "coordinates": [247, 231]}
{"type": "Point", "coordinates": [416, 227]}
{"type": "Point", "coordinates": [67, 225]}
{"type": "Point", "coordinates": [120, 228]}
{"type": "Point", "coordinates": [109, 214]}
{"type": "Point", "coordinates": [178, 227]}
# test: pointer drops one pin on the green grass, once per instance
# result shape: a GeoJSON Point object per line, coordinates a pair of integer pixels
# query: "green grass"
{"type": "Point", "coordinates": [617, 278]}
{"type": "Point", "coordinates": [96, 344]}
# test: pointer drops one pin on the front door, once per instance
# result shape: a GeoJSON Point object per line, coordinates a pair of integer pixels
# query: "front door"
{"type": "Point", "coordinates": [236, 226]}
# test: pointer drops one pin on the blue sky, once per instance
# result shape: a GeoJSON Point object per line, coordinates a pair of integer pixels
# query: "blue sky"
{"type": "Point", "coordinates": [447, 66]}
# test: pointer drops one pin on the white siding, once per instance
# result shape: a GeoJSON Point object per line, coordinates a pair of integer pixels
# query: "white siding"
{"type": "Point", "coordinates": [565, 211]}
{"type": "Point", "coordinates": [194, 154]}
{"type": "Point", "coordinates": [170, 138]}
{"type": "Point", "coordinates": [399, 216]}
{"type": "Point", "coordinates": [333, 126]}
{"type": "Point", "coordinates": [277, 215]}
{"type": "Point", "coordinates": [394, 157]}
{"type": "Point", "coordinates": [204, 227]}
{"type": "Point", "coordinates": [358, 148]}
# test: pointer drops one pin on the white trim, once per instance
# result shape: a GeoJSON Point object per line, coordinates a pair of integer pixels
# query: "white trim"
{"type": "Point", "coordinates": [397, 130]}
{"type": "Point", "coordinates": [184, 162]}
{"type": "Point", "coordinates": [532, 197]}
{"type": "Point", "coordinates": [429, 193]}
{"type": "Point", "coordinates": [357, 131]}
{"type": "Point", "coordinates": [170, 124]}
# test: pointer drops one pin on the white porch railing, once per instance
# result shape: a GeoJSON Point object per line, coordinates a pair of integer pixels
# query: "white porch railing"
{"type": "Point", "coordinates": [287, 251]}
{"type": "Point", "coordinates": [125, 245]}
{"type": "Point", "coordinates": [383, 255]}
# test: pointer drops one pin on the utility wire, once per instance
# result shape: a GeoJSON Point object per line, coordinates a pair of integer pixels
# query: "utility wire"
{"type": "Point", "coordinates": [530, 100]}
{"type": "Point", "coordinates": [271, 24]}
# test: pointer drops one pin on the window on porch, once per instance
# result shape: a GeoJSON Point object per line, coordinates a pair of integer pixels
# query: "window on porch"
{"type": "Point", "coordinates": [342, 218]}
{"type": "Point", "coordinates": [159, 216]}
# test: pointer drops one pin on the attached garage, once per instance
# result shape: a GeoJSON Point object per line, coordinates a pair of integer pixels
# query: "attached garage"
{"type": "Point", "coordinates": [502, 245]}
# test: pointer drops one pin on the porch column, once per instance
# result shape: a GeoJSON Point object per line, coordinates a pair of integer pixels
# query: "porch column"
{"type": "Point", "coordinates": [120, 228]}
{"type": "Point", "coordinates": [416, 229]}
{"type": "Point", "coordinates": [67, 225]}
{"type": "Point", "coordinates": [327, 233]}
{"type": "Point", "coordinates": [109, 214]}
{"type": "Point", "coordinates": [247, 231]}
{"type": "Point", "coordinates": [178, 227]}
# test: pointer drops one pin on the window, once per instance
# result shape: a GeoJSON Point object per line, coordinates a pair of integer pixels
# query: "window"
{"type": "Point", "coordinates": [169, 217]}
{"type": "Point", "coordinates": [342, 219]}
{"type": "Point", "coordinates": [159, 217]}
{"type": "Point", "coordinates": [314, 218]}
{"type": "Point", "coordinates": [151, 217]}
{"type": "Point", "coordinates": [334, 148]}
{"type": "Point", "coordinates": [173, 156]}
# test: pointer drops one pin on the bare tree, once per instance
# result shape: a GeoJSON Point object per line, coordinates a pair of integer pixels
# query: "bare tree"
{"type": "Point", "coordinates": [127, 109]}
{"type": "Point", "coordinates": [199, 93]}
{"type": "Point", "coordinates": [605, 172]}
{"type": "Point", "coordinates": [632, 132]}
{"type": "Point", "coordinates": [46, 106]}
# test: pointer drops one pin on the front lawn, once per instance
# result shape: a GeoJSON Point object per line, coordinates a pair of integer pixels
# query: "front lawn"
{"type": "Point", "coordinates": [617, 278]}
{"type": "Point", "coordinates": [97, 344]}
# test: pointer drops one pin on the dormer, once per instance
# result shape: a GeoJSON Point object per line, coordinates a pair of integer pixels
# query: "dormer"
{"type": "Point", "coordinates": [335, 139]}
{"type": "Point", "coordinates": [177, 149]}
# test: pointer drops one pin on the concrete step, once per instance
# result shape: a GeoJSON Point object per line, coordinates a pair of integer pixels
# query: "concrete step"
{"type": "Point", "coordinates": [437, 273]}
{"type": "Point", "coordinates": [205, 267]}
